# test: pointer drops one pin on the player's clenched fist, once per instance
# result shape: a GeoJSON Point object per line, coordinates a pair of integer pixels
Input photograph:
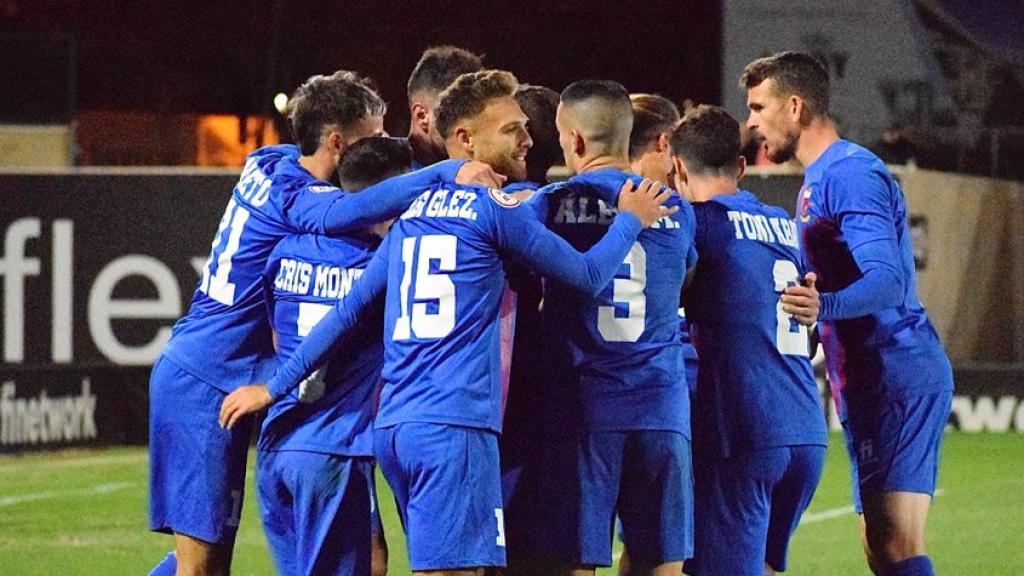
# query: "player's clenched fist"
{"type": "Point", "coordinates": [243, 401]}
{"type": "Point", "coordinates": [645, 202]}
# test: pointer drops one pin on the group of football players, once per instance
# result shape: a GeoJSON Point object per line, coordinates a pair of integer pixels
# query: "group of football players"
{"type": "Point", "coordinates": [513, 354]}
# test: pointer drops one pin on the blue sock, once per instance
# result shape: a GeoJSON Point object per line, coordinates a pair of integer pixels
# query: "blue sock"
{"type": "Point", "coordinates": [916, 566]}
{"type": "Point", "coordinates": [167, 567]}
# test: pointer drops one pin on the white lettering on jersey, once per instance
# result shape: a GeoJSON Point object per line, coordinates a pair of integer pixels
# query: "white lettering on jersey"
{"type": "Point", "coordinates": [763, 229]}
{"type": "Point", "coordinates": [443, 204]}
{"type": "Point", "coordinates": [334, 282]}
{"type": "Point", "coordinates": [415, 209]}
{"type": "Point", "coordinates": [253, 186]}
{"type": "Point", "coordinates": [293, 276]}
{"type": "Point", "coordinates": [584, 210]}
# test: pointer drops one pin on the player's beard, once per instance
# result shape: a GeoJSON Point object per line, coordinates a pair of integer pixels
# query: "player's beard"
{"type": "Point", "coordinates": [786, 152]}
{"type": "Point", "coordinates": [508, 167]}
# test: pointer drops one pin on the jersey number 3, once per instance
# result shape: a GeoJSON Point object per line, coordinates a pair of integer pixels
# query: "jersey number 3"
{"type": "Point", "coordinates": [628, 291]}
{"type": "Point", "coordinates": [428, 289]}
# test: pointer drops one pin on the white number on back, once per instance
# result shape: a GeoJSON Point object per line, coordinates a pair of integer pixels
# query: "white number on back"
{"type": "Point", "coordinates": [217, 286]}
{"type": "Point", "coordinates": [790, 335]}
{"type": "Point", "coordinates": [310, 314]}
{"type": "Point", "coordinates": [426, 288]}
{"type": "Point", "coordinates": [628, 291]}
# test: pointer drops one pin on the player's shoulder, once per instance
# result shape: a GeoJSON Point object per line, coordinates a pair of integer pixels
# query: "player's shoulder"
{"type": "Point", "coordinates": [477, 196]}
{"type": "Point", "coordinates": [274, 152]}
{"type": "Point", "coordinates": [294, 245]}
{"type": "Point", "coordinates": [755, 203]}
{"type": "Point", "coordinates": [521, 189]}
{"type": "Point", "coordinates": [853, 164]}
{"type": "Point", "coordinates": [500, 198]}
{"type": "Point", "coordinates": [686, 212]}
{"type": "Point", "coordinates": [551, 189]}
{"type": "Point", "coordinates": [602, 182]}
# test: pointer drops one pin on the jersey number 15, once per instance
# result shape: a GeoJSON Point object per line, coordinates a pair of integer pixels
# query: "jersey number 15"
{"type": "Point", "coordinates": [427, 287]}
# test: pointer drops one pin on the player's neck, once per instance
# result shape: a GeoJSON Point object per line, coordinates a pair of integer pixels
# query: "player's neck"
{"type": "Point", "coordinates": [321, 164]}
{"type": "Point", "coordinates": [650, 165]}
{"type": "Point", "coordinates": [597, 162]}
{"type": "Point", "coordinates": [704, 188]}
{"type": "Point", "coordinates": [815, 139]}
{"type": "Point", "coordinates": [422, 151]}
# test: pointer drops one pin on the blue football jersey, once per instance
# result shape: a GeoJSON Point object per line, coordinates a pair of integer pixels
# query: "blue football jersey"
{"type": "Point", "coordinates": [755, 387]}
{"type": "Point", "coordinates": [851, 214]}
{"type": "Point", "coordinates": [624, 344]}
{"type": "Point", "coordinates": [333, 412]}
{"type": "Point", "coordinates": [689, 352]}
{"type": "Point", "coordinates": [274, 197]}
{"type": "Point", "coordinates": [442, 267]}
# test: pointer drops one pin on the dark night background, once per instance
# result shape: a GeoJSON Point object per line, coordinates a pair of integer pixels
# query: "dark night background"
{"type": "Point", "coordinates": [232, 56]}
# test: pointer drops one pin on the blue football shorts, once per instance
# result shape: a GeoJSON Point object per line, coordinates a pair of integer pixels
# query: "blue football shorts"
{"type": "Point", "coordinates": [317, 511]}
{"type": "Point", "coordinates": [196, 468]}
{"type": "Point", "coordinates": [447, 485]}
{"type": "Point", "coordinates": [748, 506]}
{"type": "Point", "coordinates": [645, 476]}
{"type": "Point", "coordinates": [894, 443]}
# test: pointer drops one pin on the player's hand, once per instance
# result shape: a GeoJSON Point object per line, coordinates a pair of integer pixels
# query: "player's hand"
{"type": "Point", "coordinates": [803, 302]}
{"type": "Point", "coordinates": [242, 402]}
{"type": "Point", "coordinates": [475, 172]}
{"type": "Point", "coordinates": [645, 202]}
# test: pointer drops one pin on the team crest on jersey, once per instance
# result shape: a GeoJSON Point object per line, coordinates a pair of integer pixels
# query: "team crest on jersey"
{"type": "Point", "coordinates": [320, 189]}
{"type": "Point", "coordinates": [805, 205]}
{"type": "Point", "coordinates": [504, 200]}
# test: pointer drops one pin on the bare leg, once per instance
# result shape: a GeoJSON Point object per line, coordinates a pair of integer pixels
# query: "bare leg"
{"type": "Point", "coordinates": [894, 524]}
{"type": "Point", "coordinates": [200, 558]}
{"type": "Point", "coordinates": [379, 557]}
{"type": "Point", "coordinates": [624, 562]}
{"type": "Point", "coordinates": [666, 569]}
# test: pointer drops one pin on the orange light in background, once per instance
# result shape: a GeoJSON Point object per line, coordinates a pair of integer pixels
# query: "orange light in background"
{"type": "Point", "coordinates": [220, 138]}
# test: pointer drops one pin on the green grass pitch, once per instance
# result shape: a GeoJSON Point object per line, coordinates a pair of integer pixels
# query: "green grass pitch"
{"type": "Point", "coordinates": [84, 512]}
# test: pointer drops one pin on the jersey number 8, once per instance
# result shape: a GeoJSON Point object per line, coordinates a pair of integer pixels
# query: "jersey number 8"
{"type": "Point", "coordinates": [790, 335]}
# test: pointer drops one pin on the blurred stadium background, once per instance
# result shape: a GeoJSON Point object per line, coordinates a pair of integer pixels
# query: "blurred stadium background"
{"type": "Point", "coordinates": [123, 126]}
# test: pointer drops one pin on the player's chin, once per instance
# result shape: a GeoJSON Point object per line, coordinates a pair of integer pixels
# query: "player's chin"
{"type": "Point", "coordinates": [779, 154]}
{"type": "Point", "coordinates": [515, 169]}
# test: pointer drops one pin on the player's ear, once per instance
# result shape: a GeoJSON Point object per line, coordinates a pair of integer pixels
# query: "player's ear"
{"type": "Point", "coordinates": [662, 145]}
{"type": "Point", "coordinates": [796, 108]}
{"type": "Point", "coordinates": [464, 137]}
{"type": "Point", "coordinates": [579, 147]}
{"type": "Point", "coordinates": [741, 167]}
{"type": "Point", "coordinates": [681, 177]}
{"type": "Point", "coordinates": [421, 117]}
{"type": "Point", "coordinates": [335, 142]}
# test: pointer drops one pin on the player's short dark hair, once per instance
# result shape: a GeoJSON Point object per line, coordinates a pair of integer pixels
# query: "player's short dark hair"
{"type": "Point", "coordinates": [613, 125]}
{"type": "Point", "coordinates": [793, 73]}
{"type": "Point", "coordinates": [608, 90]}
{"type": "Point", "coordinates": [439, 67]}
{"type": "Point", "coordinates": [469, 95]}
{"type": "Point", "coordinates": [707, 139]}
{"type": "Point", "coordinates": [373, 159]}
{"type": "Point", "coordinates": [341, 99]}
{"type": "Point", "coordinates": [653, 115]}
{"type": "Point", "coordinates": [540, 104]}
